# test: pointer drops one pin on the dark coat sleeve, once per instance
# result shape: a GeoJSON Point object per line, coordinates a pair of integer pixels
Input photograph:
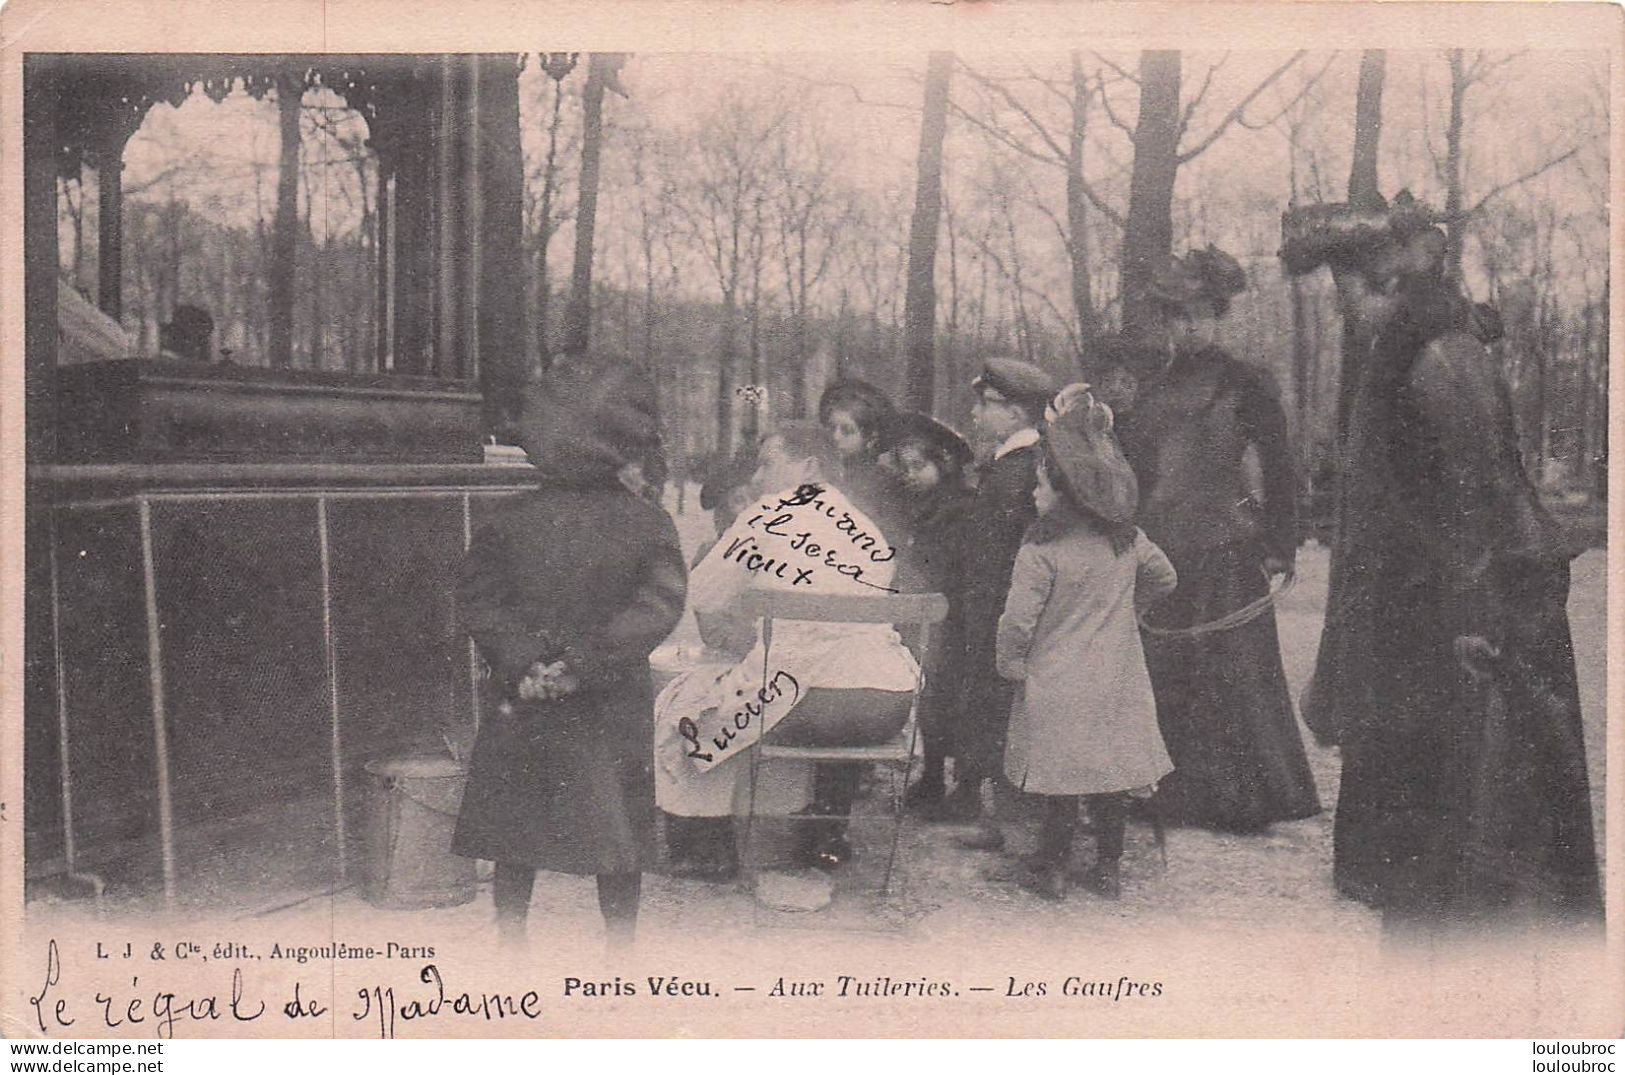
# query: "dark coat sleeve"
{"type": "Point", "coordinates": [1264, 426]}
{"type": "Point", "coordinates": [993, 529]}
{"type": "Point", "coordinates": [649, 615]}
{"type": "Point", "coordinates": [1477, 508]}
{"type": "Point", "coordinates": [490, 608]}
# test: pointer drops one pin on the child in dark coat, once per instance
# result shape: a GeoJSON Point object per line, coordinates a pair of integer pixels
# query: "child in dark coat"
{"type": "Point", "coordinates": [1010, 400]}
{"type": "Point", "coordinates": [931, 460]}
{"type": "Point", "coordinates": [566, 590]}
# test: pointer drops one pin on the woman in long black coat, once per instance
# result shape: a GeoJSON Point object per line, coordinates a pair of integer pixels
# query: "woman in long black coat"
{"type": "Point", "coordinates": [1222, 697]}
{"type": "Point", "coordinates": [1446, 668]}
{"type": "Point", "coordinates": [566, 591]}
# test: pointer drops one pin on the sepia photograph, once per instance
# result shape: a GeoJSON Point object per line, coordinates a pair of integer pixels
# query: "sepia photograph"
{"type": "Point", "coordinates": [1030, 521]}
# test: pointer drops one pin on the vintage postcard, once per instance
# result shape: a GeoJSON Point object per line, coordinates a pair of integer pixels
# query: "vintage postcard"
{"type": "Point", "coordinates": [711, 519]}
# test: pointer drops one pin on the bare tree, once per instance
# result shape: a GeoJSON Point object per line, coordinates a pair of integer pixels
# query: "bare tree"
{"type": "Point", "coordinates": [1159, 150]}
{"type": "Point", "coordinates": [1363, 191]}
{"type": "Point", "coordinates": [810, 216]}
{"type": "Point", "coordinates": [557, 66]}
{"type": "Point", "coordinates": [603, 72]}
{"type": "Point", "coordinates": [1468, 70]}
{"type": "Point", "coordinates": [723, 175]}
{"type": "Point", "coordinates": [920, 304]}
{"type": "Point", "coordinates": [1148, 227]}
{"type": "Point", "coordinates": [1019, 126]}
{"type": "Point", "coordinates": [290, 86]}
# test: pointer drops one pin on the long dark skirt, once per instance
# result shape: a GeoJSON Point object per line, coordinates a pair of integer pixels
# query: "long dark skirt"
{"type": "Point", "coordinates": [1223, 703]}
{"type": "Point", "coordinates": [1467, 799]}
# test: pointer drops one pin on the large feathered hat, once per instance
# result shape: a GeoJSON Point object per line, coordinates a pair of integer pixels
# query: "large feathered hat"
{"type": "Point", "coordinates": [1343, 234]}
{"type": "Point", "coordinates": [1207, 276]}
{"type": "Point", "coordinates": [1086, 463]}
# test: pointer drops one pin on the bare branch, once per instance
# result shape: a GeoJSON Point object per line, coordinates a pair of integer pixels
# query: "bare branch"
{"type": "Point", "coordinates": [1003, 137]}
{"type": "Point", "coordinates": [1482, 66]}
{"type": "Point", "coordinates": [1015, 104]}
{"type": "Point", "coordinates": [1201, 93]}
{"type": "Point", "coordinates": [1111, 113]}
{"type": "Point", "coordinates": [1240, 108]}
{"type": "Point", "coordinates": [1303, 92]}
{"type": "Point", "coordinates": [1539, 170]}
{"type": "Point", "coordinates": [847, 87]}
{"type": "Point", "coordinates": [1060, 90]}
{"type": "Point", "coordinates": [1120, 72]}
{"type": "Point", "coordinates": [1101, 204]}
{"type": "Point", "coordinates": [1055, 222]}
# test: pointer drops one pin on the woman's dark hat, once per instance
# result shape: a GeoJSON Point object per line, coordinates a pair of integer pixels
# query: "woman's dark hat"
{"type": "Point", "coordinates": [1088, 462]}
{"type": "Point", "coordinates": [913, 427]}
{"type": "Point", "coordinates": [1208, 275]}
{"type": "Point", "coordinates": [589, 414]}
{"type": "Point", "coordinates": [1341, 234]}
{"type": "Point", "coordinates": [1017, 381]}
{"type": "Point", "coordinates": [858, 395]}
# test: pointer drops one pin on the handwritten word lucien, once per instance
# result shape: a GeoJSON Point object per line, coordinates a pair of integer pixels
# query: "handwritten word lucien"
{"type": "Point", "coordinates": [781, 692]}
{"type": "Point", "coordinates": [785, 544]}
{"type": "Point", "coordinates": [156, 1009]}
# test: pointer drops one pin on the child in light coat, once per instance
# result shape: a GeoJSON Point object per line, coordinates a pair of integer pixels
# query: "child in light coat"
{"type": "Point", "coordinates": [1083, 726]}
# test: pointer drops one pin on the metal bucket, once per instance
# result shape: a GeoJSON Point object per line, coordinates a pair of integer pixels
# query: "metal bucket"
{"type": "Point", "coordinates": [412, 810]}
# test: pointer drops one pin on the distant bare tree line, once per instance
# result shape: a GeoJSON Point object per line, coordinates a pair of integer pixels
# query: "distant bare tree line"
{"type": "Point", "coordinates": [738, 255]}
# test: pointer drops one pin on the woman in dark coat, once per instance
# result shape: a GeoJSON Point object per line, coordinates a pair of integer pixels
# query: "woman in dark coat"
{"type": "Point", "coordinates": [566, 591]}
{"type": "Point", "coordinates": [1446, 668]}
{"type": "Point", "coordinates": [1222, 697]}
{"type": "Point", "coordinates": [931, 461]}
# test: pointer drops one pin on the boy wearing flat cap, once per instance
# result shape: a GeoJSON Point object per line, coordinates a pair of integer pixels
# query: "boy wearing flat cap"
{"type": "Point", "coordinates": [1010, 400]}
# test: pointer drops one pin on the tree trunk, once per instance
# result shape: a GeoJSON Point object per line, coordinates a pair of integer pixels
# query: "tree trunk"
{"type": "Point", "coordinates": [500, 311]}
{"type": "Point", "coordinates": [578, 314]}
{"type": "Point", "coordinates": [758, 380]}
{"type": "Point", "coordinates": [1148, 232]}
{"type": "Point", "coordinates": [1363, 191]}
{"type": "Point", "coordinates": [920, 301]}
{"type": "Point", "coordinates": [1077, 208]}
{"type": "Point", "coordinates": [544, 285]}
{"type": "Point", "coordinates": [110, 224]}
{"type": "Point", "coordinates": [1600, 408]}
{"type": "Point", "coordinates": [76, 212]}
{"type": "Point", "coordinates": [1303, 342]}
{"type": "Point", "coordinates": [726, 375]}
{"type": "Point", "coordinates": [41, 93]}
{"type": "Point", "coordinates": [1455, 229]}
{"type": "Point", "coordinates": [1583, 400]}
{"type": "Point", "coordinates": [318, 310]}
{"type": "Point", "coordinates": [285, 227]}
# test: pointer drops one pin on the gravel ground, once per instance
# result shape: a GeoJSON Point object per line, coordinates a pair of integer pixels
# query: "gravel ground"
{"type": "Point", "coordinates": [1211, 882]}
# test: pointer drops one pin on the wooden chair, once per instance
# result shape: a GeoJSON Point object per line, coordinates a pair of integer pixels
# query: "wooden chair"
{"type": "Point", "coordinates": [896, 755]}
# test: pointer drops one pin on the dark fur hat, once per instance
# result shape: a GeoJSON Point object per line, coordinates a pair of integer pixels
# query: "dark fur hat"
{"type": "Point", "coordinates": [1343, 235]}
{"type": "Point", "coordinates": [587, 416]}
